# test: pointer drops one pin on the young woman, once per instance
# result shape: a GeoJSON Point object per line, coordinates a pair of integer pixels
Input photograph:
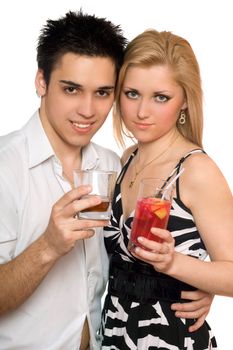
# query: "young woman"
{"type": "Point", "coordinates": [159, 103]}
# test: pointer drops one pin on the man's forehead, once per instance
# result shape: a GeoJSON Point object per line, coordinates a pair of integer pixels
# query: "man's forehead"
{"type": "Point", "coordinates": [73, 58]}
{"type": "Point", "coordinates": [81, 69]}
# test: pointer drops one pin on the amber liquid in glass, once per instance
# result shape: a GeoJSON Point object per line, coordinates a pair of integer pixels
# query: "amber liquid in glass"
{"type": "Point", "coordinates": [103, 206]}
{"type": "Point", "coordinates": [100, 211]}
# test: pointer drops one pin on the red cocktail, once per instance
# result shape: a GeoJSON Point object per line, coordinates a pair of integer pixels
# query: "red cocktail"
{"type": "Point", "coordinates": [150, 212]}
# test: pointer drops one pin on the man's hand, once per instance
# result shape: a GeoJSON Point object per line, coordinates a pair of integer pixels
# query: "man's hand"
{"type": "Point", "coordinates": [198, 308]}
{"type": "Point", "coordinates": [64, 228]}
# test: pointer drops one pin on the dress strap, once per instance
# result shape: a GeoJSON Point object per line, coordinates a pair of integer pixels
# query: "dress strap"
{"type": "Point", "coordinates": [125, 166]}
{"type": "Point", "coordinates": [176, 170]}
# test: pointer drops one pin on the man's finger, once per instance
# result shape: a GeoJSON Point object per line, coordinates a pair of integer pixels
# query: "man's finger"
{"type": "Point", "coordinates": [72, 209]}
{"type": "Point", "coordinates": [198, 323]}
{"type": "Point", "coordinates": [71, 196]}
{"type": "Point", "coordinates": [191, 314]}
{"type": "Point", "coordinates": [82, 225]}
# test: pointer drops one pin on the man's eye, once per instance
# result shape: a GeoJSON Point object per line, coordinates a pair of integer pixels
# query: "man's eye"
{"type": "Point", "coordinates": [102, 93]}
{"type": "Point", "coordinates": [70, 90]}
{"type": "Point", "coordinates": [131, 94]}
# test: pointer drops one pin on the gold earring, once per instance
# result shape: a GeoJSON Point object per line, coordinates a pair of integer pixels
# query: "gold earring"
{"type": "Point", "coordinates": [182, 118]}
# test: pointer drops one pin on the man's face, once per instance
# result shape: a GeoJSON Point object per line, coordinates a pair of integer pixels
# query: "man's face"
{"type": "Point", "coordinates": [77, 100]}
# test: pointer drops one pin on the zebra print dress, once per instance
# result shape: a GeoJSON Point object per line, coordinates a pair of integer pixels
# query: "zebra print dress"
{"type": "Point", "coordinates": [137, 309]}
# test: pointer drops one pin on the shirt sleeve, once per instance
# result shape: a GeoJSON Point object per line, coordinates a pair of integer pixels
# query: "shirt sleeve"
{"type": "Point", "coordinates": [8, 221]}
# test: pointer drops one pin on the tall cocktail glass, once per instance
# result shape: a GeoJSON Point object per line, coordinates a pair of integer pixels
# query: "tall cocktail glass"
{"type": "Point", "coordinates": [152, 210]}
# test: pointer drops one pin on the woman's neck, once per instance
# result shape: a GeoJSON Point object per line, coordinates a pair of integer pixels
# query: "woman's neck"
{"type": "Point", "coordinates": [157, 149]}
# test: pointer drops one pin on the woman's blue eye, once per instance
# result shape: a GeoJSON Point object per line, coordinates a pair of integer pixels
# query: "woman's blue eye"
{"type": "Point", "coordinates": [162, 98]}
{"type": "Point", "coordinates": [131, 94]}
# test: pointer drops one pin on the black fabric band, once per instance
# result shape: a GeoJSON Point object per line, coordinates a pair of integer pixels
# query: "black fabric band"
{"type": "Point", "coordinates": [141, 283]}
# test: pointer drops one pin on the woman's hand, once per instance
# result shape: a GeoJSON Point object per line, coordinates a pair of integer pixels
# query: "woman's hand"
{"type": "Point", "coordinates": [159, 255]}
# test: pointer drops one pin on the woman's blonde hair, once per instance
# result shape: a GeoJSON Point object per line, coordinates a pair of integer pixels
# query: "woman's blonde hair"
{"type": "Point", "coordinates": [164, 48]}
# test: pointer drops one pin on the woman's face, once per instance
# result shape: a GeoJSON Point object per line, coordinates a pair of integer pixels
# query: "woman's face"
{"type": "Point", "coordinates": [150, 102]}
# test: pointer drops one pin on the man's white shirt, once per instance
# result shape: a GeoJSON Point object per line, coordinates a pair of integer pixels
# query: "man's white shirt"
{"type": "Point", "coordinates": [31, 182]}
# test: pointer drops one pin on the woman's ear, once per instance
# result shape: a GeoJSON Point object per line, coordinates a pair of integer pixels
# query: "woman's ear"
{"type": "Point", "coordinates": [184, 105]}
{"type": "Point", "coordinates": [40, 83]}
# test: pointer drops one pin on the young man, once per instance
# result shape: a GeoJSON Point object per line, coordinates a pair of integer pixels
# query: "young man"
{"type": "Point", "coordinates": [53, 268]}
{"type": "Point", "coordinates": [52, 276]}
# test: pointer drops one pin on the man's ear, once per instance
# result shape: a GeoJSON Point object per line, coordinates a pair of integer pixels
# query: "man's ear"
{"type": "Point", "coordinates": [40, 83]}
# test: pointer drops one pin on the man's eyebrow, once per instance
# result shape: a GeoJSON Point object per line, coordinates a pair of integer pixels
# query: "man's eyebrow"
{"type": "Point", "coordinates": [106, 87]}
{"type": "Point", "coordinates": [73, 84]}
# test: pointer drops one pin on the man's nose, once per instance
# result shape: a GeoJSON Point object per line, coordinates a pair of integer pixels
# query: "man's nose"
{"type": "Point", "coordinates": [85, 106]}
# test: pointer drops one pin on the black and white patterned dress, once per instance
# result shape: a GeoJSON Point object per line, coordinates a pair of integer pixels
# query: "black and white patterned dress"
{"type": "Point", "coordinates": [137, 310]}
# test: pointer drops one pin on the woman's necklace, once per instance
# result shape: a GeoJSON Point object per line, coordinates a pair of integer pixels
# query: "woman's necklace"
{"type": "Point", "coordinates": [137, 172]}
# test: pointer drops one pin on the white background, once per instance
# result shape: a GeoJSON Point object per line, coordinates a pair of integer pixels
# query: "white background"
{"type": "Point", "coordinates": [208, 26]}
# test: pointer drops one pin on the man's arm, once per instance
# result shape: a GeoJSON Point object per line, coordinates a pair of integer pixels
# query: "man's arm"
{"type": "Point", "coordinates": [21, 276]}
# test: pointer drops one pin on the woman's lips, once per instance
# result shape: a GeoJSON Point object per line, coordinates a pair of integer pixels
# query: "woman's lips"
{"type": "Point", "coordinates": [143, 126]}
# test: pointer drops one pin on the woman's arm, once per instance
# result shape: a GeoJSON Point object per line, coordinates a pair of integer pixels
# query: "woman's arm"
{"type": "Point", "coordinates": [205, 191]}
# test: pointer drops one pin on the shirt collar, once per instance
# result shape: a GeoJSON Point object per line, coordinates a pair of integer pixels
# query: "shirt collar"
{"type": "Point", "coordinates": [90, 157]}
{"type": "Point", "coordinates": [39, 146]}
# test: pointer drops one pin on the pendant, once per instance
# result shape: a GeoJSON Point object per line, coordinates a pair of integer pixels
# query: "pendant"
{"type": "Point", "coordinates": [132, 181]}
{"type": "Point", "coordinates": [131, 184]}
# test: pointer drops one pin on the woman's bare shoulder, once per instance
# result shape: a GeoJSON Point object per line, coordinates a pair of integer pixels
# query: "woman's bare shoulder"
{"type": "Point", "coordinates": [201, 176]}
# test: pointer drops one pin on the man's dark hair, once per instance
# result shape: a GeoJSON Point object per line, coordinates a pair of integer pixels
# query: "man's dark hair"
{"type": "Point", "coordinates": [80, 34]}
